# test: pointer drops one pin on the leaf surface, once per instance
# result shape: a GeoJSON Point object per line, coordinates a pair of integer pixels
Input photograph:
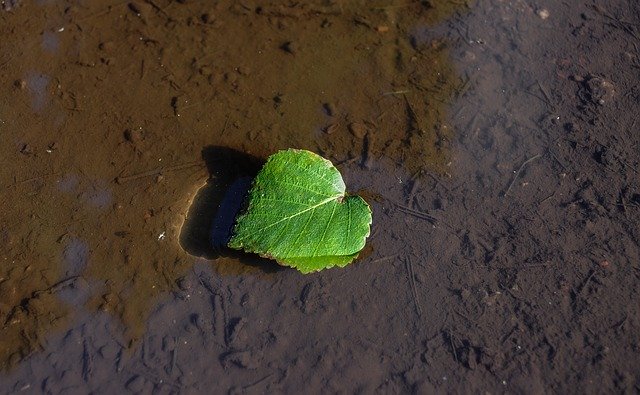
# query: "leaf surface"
{"type": "Point", "coordinates": [299, 214]}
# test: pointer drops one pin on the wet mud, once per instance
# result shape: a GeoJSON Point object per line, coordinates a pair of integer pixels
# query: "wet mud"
{"type": "Point", "coordinates": [494, 140]}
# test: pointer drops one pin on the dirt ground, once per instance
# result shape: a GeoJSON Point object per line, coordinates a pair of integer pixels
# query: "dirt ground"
{"type": "Point", "coordinates": [495, 140]}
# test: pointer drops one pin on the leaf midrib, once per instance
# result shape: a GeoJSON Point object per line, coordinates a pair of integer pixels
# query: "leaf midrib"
{"type": "Point", "coordinates": [325, 201]}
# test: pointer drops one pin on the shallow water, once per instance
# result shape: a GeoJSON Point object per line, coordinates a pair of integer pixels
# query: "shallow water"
{"type": "Point", "coordinates": [125, 124]}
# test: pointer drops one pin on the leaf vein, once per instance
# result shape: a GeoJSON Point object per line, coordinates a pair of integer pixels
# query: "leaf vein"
{"type": "Point", "coordinates": [296, 214]}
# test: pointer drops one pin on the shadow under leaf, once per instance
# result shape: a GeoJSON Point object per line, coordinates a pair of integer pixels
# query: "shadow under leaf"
{"type": "Point", "coordinates": [211, 216]}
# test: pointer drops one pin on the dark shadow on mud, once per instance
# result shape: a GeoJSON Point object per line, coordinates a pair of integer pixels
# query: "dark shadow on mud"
{"type": "Point", "coordinates": [207, 227]}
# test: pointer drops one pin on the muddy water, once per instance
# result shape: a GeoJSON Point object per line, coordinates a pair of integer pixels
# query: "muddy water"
{"type": "Point", "coordinates": [494, 141]}
{"type": "Point", "coordinates": [108, 110]}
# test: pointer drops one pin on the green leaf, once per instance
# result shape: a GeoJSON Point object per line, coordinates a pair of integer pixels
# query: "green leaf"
{"type": "Point", "coordinates": [300, 215]}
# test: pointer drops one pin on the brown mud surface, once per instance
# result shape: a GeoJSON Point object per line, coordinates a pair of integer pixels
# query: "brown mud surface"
{"type": "Point", "coordinates": [495, 140]}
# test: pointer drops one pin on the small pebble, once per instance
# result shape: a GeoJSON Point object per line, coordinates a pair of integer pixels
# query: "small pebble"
{"type": "Point", "coordinates": [206, 18]}
{"type": "Point", "coordinates": [133, 136]}
{"type": "Point", "coordinates": [205, 70]}
{"type": "Point", "coordinates": [168, 343]}
{"type": "Point", "coordinates": [289, 47]}
{"type": "Point", "coordinates": [136, 383]}
{"type": "Point", "coordinates": [106, 46]}
{"type": "Point", "coordinates": [108, 351]}
{"type": "Point", "coordinates": [184, 283]}
{"type": "Point", "coordinates": [329, 109]}
{"type": "Point", "coordinates": [358, 130]}
{"type": "Point", "coordinates": [26, 149]}
{"type": "Point", "coordinates": [543, 13]}
{"type": "Point", "coordinates": [143, 10]}
{"type": "Point", "coordinates": [243, 70]}
{"type": "Point", "coordinates": [20, 84]}
{"type": "Point", "coordinates": [331, 128]}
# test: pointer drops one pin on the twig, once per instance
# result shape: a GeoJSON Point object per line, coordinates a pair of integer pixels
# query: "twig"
{"type": "Point", "coordinates": [389, 7]}
{"type": "Point", "coordinates": [258, 382]}
{"type": "Point", "coordinates": [16, 183]}
{"type": "Point", "coordinates": [412, 282]}
{"type": "Point", "coordinates": [515, 177]}
{"type": "Point", "coordinates": [367, 147]}
{"type": "Point", "coordinates": [384, 258]}
{"type": "Point", "coordinates": [224, 128]}
{"type": "Point", "coordinates": [584, 284]}
{"type": "Point", "coordinates": [438, 182]}
{"type": "Point", "coordinates": [412, 192]}
{"type": "Point", "coordinates": [620, 324]}
{"type": "Point", "coordinates": [453, 347]}
{"type": "Point", "coordinates": [401, 92]}
{"type": "Point", "coordinates": [464, 88]}
{"type": "Point", "coordinates": [59, 285]}
{"type": "Point", "coordinates": [159, 170]}
{"type": "Point", "coordinates": [546, 95]}
{"type": "Point", "coordinates": [416, 213]}
{"type": "Point", "coordinates": [413, 113]}
{"type": "Point", "coordinates": [142, 69]}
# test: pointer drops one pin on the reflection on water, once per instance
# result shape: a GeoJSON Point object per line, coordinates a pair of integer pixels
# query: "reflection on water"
{"type": "Point", "coordinates": [50, 42]}
{"type": "Point", "coordinates": [75, 256]}
{"type": "Point", "coordinates": [37, 84]}
{"type": "Point", "coordinates": [115, 121]}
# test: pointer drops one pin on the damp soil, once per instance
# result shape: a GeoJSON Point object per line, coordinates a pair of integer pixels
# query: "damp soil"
{"type": "Point", "coordinates": [496, 142]}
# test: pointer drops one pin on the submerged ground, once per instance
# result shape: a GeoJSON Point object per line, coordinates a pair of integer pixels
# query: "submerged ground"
{"type": "Point", "coordinates": [495, 140]}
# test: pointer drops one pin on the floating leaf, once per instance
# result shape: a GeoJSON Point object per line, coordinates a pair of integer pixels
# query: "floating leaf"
{"type": "Point", "coordinates": [300, 215]}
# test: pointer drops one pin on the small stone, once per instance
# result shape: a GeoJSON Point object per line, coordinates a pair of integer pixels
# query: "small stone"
{"type": "Point", "coordinates": [205, 70]}
{"type": "Point", "coordinates": [243, 70]}
{"type": "Point", "coordinates": [577, 78]}
{"type": "Point", "coordinates": [168, 343]}
{"type": "Point", "coordinates": [242, 359]}
{"type": "Point", "coordinates": [106, 46]}
{"type": "Point", "coordinates": [543, 13]}
{"type": "Point", "coordinates": [331, 128]}
{"type": "Point", "coordinates": [206, 18]}
{"type": "Point", "coordinates": [231, 78]}
{"type": "Point", "coordinates": [600, 90]}
{"type": "Point", "coordinates": [468, 56]}
{"type": "Point", "coordinates": [179, 103]}
{"type": "Point", "coordinates": [289, 47]}
{"type": "Point", "coordinates": [216, 78]}
{"type": "Point", "coordinates": [382, 28]}
{"type": "Point", "coordinates": [135, 384]}
{"type": "Point", "coordinates": [26, 149]}
{"type": "Point", "coordinates": [8, 5]}
{"type": "Point", "coordinates": [198, 321]}
{"type": "Point", "coordinates": [184, 283]}
{"type": "Point", "coordinates": [133, 136]}
{"type": "Point", "coordinates": [143, 10]}
{"type": "Point", "coordinates": [108, 351]}
{"type": "Point", "coordinates": [359, 130]}
{"type": "Point", "coordinates": [329, 109]}
{"type": "Point", "coordinates": [20, 84]}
